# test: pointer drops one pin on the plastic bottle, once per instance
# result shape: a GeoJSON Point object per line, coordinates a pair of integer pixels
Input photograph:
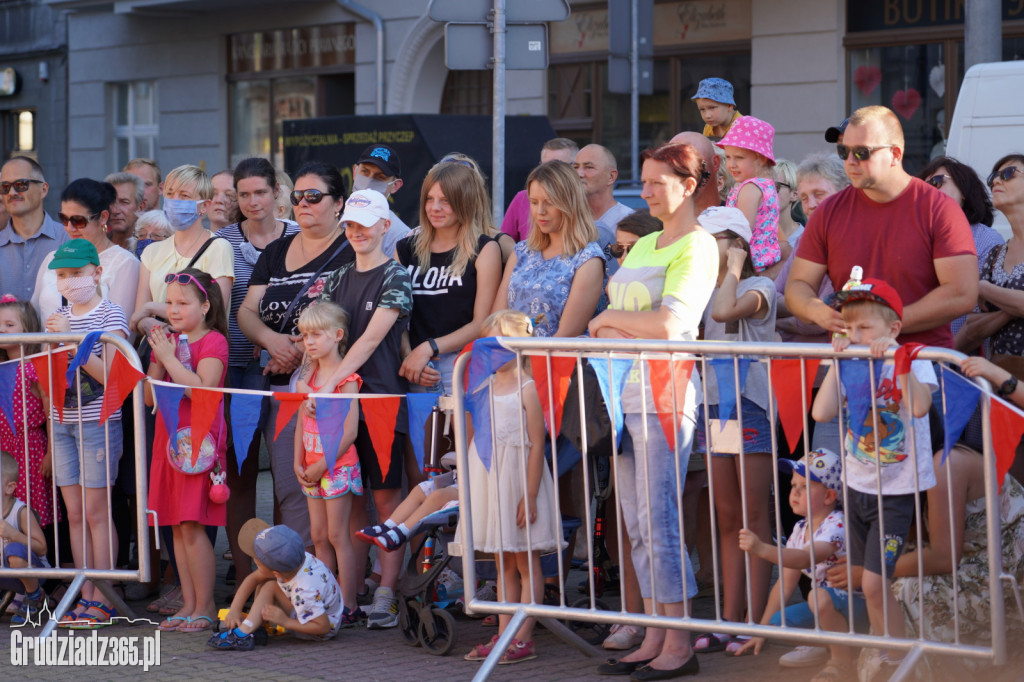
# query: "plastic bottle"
{"type": "Point", "coordinates": [184, 353]}
{"type": "Point", "coordinates": [856, 277]}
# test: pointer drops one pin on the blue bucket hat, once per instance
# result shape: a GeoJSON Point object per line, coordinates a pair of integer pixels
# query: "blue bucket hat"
{"type": "Point", "coordinates": [715, 89]}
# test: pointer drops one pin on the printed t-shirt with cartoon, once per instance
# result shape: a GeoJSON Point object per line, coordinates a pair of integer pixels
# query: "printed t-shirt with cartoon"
{"type": "Point", "coordinates": [314, 591]}
{"type": "Point", "coordinates": [831, 531]}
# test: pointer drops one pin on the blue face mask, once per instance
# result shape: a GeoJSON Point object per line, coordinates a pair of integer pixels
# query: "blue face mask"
{"type": "Point", "coordinates": [141, 245]}
{"type": "Point", "coordinates": [181, 213]}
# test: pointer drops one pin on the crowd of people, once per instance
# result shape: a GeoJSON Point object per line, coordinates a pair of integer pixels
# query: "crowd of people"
{"type": "Point", "coordinates": [285, 284]}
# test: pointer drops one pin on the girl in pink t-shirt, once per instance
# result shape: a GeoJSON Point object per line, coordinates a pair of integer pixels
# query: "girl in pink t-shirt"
{"type": "Point", "coordinates": [749, 159]}
{"type": "Point", "coordinates": [324, 327]}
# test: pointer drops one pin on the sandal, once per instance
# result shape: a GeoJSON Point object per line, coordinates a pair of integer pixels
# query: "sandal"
{"type": "Point", "coordinates": [518, 652]}
{"type": "Point", "coordinates": [173, 602]}
{"type": "Point", "coordinates": [169, 623]}
{"type": "Point", "coordinates": [830, 673]}
{"type": "Point", "coordinates": [481, 651]}
{"type": "Point", "coordinates": [70, 617]}
{"type": "Point", "coordinates": [734, 646]}
{"type": "Point", "coordinates": [206, 623]}
{"type": "Point", "coordinates": [490, 621]}
{"type": "Point", "coordinates": [97, 616]}
{"type": "Point", "coordinates": [710, 642]}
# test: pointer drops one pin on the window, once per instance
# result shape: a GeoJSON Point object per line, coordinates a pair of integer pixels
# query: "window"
{"type": "Point", "coordinates": [259, 107]}
{"type": "Point", "coordinates": [135, 121]}
{"type": "Point", "coordinates": [469, 93]}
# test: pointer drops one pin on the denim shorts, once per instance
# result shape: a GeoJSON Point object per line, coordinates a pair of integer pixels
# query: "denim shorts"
{"type": "Point", "coordinates": [445, 364]}
{"type": "Point", "coordinates": [757, 430]}
{"type": "Point", "coordinates": [801, 616]}
{"type": "Point", "coordinates": [341, 481]}
{"type": "Point", "coordinates": [97, 467]}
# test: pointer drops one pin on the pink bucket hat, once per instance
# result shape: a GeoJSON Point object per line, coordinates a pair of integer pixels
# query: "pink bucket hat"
{"type": "Point", "coordinates": [751, 133]}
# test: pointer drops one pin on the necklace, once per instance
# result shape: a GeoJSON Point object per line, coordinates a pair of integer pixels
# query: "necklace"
{"type": "Point", "coordinates": [190, 246]}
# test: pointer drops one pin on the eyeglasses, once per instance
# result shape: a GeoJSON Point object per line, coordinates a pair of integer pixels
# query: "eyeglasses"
{"type": "Point", "coordinates": [780, 185]}
{"type": "Point", "coordinates": [312, 196]}
{"type": "Point", "coordinates": [618, 250]}
{"type": "Point", "coordinates": [185, 278]}
{"type": "Point", "coordinates": [937, 181]}
{"type": "Point", "coordinates": [18, 185]}
{"type": "Point", "coordinates": [1005, 175]}
{"type": "Point", "coordinates": [76, 221]}
{"type": "Point", "coordinates": [859, 153]}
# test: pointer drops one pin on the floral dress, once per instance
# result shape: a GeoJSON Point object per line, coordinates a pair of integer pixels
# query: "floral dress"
{"type": "Point", "coordinates": [29, 414]}
{"type": "Point", "coordinates": [764, 245]}
{"type": "Point", "coordinates": [1010, 339]}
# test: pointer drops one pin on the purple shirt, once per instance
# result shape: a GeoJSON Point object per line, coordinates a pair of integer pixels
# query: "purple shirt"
{"type": "Point", "coordinates": [517, 218]}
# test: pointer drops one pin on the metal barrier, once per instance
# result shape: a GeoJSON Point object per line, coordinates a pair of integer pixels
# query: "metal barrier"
{"type": "Point", "coordinates": [100, 577]}
{"type": "Point", "coordinates": [702, 354]}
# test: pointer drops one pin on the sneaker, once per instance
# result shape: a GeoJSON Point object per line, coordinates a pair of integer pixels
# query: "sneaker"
{"type": "Point", "coordinates": [352, 618]}
{"type": "Point", "coordinates": [384, 612]}
{"type": "Point", "coordinates": [805, 657]}
{"type": "Point", "coordinates": [16, 604]}
{"type": "Point", "coordinates": [624, 637]}
{"type": "Point", "coordinates": [366, 597]}
{"type": "Point", "coordinates": [229, 641]}
{"type": "Point", "coordinates": [29, 612]}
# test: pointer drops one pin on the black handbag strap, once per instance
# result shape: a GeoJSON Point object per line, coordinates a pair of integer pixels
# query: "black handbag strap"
{"type": "Point", "coordinates": [201, 251]}
{"type": "Point", "coordinates": [307, 285]}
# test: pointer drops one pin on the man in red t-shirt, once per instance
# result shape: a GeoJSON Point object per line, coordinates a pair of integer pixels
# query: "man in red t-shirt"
{"type": "Point", "coordinates": [897, 228]}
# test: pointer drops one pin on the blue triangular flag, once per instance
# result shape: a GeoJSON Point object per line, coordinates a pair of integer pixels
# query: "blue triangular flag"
{"type": "Point", "coordinates": [420, 406]}
{"type": "Point", "coordinates": [612, 387]}
{"type": "Point", "coordinates": [487, 356]}
{"type": "Point", "coordinates": [245, 417]}
{"type": "Point", "coordinates": [960, 400]}
{"type": "Point", "coordinates": [853, 373]}
{"type": "Point", "coordinates": [8, 380]}
{"type": "Point", "coordinates": [330, 419]}
{"type": "Point", "coordinates": [168, 399]}
{"type": "Point", "coordinates": [82, 356]}
{"type": "Point", "coordinates": [727, 385]}
{"type": "Point", "coordinates": [479, 404]}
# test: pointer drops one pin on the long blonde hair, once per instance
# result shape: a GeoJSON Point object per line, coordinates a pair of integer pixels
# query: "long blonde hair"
{"type": "Point", "coordinates": [465, 192]}
{"type": "Point", "coordinates": [565, 191]}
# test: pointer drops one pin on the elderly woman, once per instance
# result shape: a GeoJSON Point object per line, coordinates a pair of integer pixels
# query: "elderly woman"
{"type": "Point", "coordinates": [660, 292]}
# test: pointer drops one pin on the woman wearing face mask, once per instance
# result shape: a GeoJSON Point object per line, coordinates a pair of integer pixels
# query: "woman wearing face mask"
{"type": "Point", "coordinates": [84, 210]}
{"type": "Point", "coordinates": [187, 195]}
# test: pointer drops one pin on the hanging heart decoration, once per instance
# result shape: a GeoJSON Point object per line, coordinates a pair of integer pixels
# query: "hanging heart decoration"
{"type": "Point", "coordinates": [937, 79]}
{"type": "Point", "coordinates": [906, 102]}
{"type": "Point", "coordinates": [867, 78]}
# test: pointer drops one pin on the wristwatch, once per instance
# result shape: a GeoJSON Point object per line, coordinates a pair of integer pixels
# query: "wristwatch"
{"type": "Point", "coordinates": [433, 347]}
{"type": "Point", "coordinates": [1008, 387]}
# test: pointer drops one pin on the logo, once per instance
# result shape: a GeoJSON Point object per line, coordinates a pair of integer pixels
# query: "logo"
{"type": "Point", "coordinates": [381, 153]}
{"type": "Point", "coordinates": [358, 201]}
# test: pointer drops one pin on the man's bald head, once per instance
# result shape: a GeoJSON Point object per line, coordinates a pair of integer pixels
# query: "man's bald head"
{"type": "Point", "coordinates": [708, 194]}
{"type": "Point", "coordinates": [597, 169]}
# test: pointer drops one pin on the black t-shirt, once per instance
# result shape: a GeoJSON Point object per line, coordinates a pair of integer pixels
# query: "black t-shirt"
{"type": "Point", "coordinates": [442, 303]}
{"type": "Point", "coordinates": [360, 294]}
{"type": "Point", "coordinates": [283, 284]}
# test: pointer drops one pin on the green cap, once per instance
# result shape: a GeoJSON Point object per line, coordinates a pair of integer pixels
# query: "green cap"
{"type": "Point", "coordinates": [75, 253]}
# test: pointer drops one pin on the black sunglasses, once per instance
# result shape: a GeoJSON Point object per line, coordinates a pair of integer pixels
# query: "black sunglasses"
{"type": "Point", "coordinates": [618, 250]}
{"type": "Point", "coordinates": [18, 185]}
{"type": "Point", "coordinates": [859, 153]}
{"type": "Point", "coordinates": [77, 221]}
{"type": "Point", "coordinates": [312, 196]}
{"type": "Point", "coordinates": [937, 181]}
{"type": "Point", "coordinates": [1005, 175]}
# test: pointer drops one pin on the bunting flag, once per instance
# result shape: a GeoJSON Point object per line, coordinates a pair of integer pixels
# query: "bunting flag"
{"type": "Point", "coordinates": [168, 399]}
{"type": "Point", "coordinates": [121, 381]}
{"type": "Point", "coordinates": [487, 356]}
{"type": "Point", "coordinates": [853, 373]}
{"type": "Point", "coordinates": [723, 368]}
{"type": "Point", "coordinates": [8, 382]}
{"type": "Point", "coordinates": [420, 407]}
{"type": "Point", "coordinates": [478, 402]}
{"type": "Point", "coordinates": [789, 397]}
{"type": "Point", "coordinates": [330, 419]}
{"type": "Point", "coordinates": [960, 400]}
{"type": "Point", "coordinates": [289, 405]}
{"type": "Point", "coordinates": [670, 377]}
{"type": "Point", "coordinates": [611, 387]}
{"type": "Point", "coordinates": [59, 361]}
{"type": "Point", "coordinates": [561, 372]}
{"type": "Point", "coordinates": [245, 417]}
{"type": "Point", "coordinates": [205, 407]}
{"type": "Point", "coordinates": [381, 415]}
{"type": "Point", "coordinates": [1007, 428]}
{"type": "Point", "coordinates": [83, 355]}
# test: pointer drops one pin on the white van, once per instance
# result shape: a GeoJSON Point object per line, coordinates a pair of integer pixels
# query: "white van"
{"type": "Point", "coordinates": [988, 122]}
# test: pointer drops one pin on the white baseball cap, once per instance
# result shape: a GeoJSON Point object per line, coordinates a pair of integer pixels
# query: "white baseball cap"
{"type": "Point", "coordinates": [721, 218]}
{"type": "Point", "coordinates": [366, 207]}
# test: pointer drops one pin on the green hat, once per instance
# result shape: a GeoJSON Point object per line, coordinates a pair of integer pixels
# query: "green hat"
{"type": "Point", "coordinates": [75, 253]}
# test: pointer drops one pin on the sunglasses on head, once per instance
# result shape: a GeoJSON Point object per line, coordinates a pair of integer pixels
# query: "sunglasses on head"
{"type": "Point", "coordinates": [937, 181]}
{"type": "Point", "coordinates": [76, 221]}
{"type": "Point", "coordinates": [859, 153]}
{"type": "Point", "coordinates": [1005, 175]}
{"type": "Point", "coordinates": [312, 196]}
{"type": "Point", "coordinates": [618, 250]}
{"type": "Point", "coordinates": [18, 185]}
{"type": "Point", "coordinates": [185, 278]}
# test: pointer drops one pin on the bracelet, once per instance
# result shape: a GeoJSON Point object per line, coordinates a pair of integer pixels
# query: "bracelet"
{"type": "Point", "coordinates": [433, 347]}
{"type": "Point", "coordinates": [1008, 387]}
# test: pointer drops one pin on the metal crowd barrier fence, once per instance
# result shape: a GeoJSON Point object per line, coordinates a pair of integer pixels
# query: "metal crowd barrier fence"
{"type": "Point", "coordinates": [49, 363]}
{"type": "Point", "coordinates": [549, 352]}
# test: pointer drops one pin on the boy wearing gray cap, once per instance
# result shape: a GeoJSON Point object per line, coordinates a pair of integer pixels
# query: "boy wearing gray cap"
{"type": "Point", "coordinates": [293, 589]}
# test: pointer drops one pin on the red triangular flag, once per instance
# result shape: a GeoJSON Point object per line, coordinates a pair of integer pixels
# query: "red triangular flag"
{"type": "Point", "coordinates": [788, 397]}
{"type": "Point", "coordinates": [465, 373]}
{"type": "Point", "coordinates": [661, 372]}
{"type": "Point", "coordinates": [121, 381]}
{"type": "Point", "coordinates": [290, 403]}
{"type": "Point", "coordinates": [1007, 428]}
{"type": "Point", "coordinates": [381, 415]}
{"type": "Point", "coordinates": [59, 361]}
{"type": "Point", "coordinates": [205, 404]}
{"type": "Point", "coordinates": [561, 370]}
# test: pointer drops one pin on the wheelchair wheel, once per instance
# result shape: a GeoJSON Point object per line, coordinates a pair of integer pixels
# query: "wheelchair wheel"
{"type": "Point", "coordinates": [409, 623]}
{"type": "Point", "coordinates": [592, 633]}
{"type": "Point", "coordinates": [442, 641]}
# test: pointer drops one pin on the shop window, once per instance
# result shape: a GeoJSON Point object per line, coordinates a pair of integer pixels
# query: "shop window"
{"type": "Point", "coordinates": [258, 107]}
{"type": "Point", "coordinates": [135, 121]}
{"type": "Point", "coordinates": [468, 93]}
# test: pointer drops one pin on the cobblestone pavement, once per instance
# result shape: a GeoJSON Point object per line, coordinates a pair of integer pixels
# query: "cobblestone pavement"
{"type": "Point", "coordinates": [360, 654]}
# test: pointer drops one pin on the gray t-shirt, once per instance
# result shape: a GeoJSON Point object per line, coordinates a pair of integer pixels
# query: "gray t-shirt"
{"type": "Point", "coordinates": [396, 233]}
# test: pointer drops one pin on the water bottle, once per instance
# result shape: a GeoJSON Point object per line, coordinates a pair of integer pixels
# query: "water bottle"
{"type": "Point", "coordinates": [856, 276]}
{"type": "Point", "coordinates": [184, 353]}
